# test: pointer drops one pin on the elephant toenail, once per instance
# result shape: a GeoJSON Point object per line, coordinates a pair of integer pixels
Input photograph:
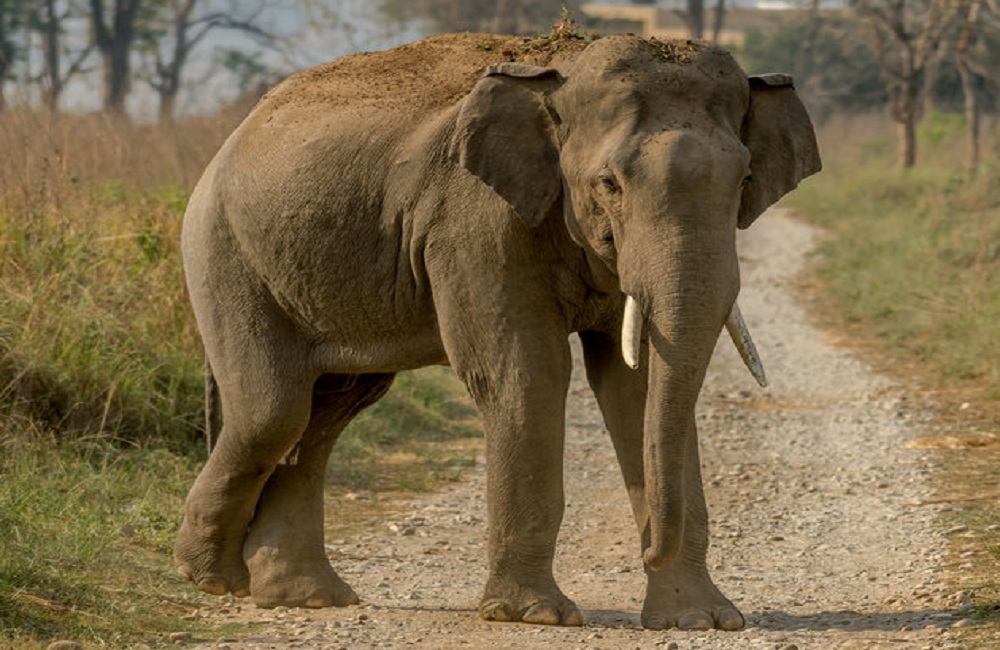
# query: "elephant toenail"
{"type": "Point", "coordinates": [573, 618]}
{"type": "Point", "coordinates": [214, 586]}
{"type": "Point", "coordinates": [495, 612]}
{"type": "Point", "coordinates": [730, 620]}
{"type": "Point", "coordinates": [696, 621]}
{"type": "Point", "coordinates": [541, 614]}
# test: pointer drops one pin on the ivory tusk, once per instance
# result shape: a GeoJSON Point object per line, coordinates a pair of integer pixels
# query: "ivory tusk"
{"type": "Point", "coordinates": [631, 332]}
{"type": "Point", "coordinates": [738, 331]}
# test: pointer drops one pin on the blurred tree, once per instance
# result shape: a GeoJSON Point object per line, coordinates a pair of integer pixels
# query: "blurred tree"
{"type": "Point", "coordinates": [694, 17]}
{"type": "Point", "coordinates": [833, 66]}
{"type": "Point", "coordinates": [905, 35]}
{"type": "Point", "coordinates": [498, 16]}
{"type": "Point", "coordinates": [251, 74]}
{"type": "Point", "coordinates": [169, 35]}
{"type": "Point", "coordinates": [12, 13]}
{"type": "Point", "coordinates": [718, 19]}
{"type": "Point", "coordinates": [48, 18]}
{"type": "Point", "coordinates": [114, 41]}
{"type": "Point", "coordinates": [977, 17]}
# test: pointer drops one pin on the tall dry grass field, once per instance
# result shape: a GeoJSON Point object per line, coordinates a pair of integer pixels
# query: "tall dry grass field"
{"type": "Point", "coordinates": [95, 334]}
{"type": "Point", "coordinates": [101, 389]}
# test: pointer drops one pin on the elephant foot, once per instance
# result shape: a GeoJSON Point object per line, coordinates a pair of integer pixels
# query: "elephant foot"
{"type": "Point", "coordinates": [279, 579]}
{"type": "Point", "coordinates": [687, 603]}
{"type": "Point", "coordinates": [209, 565]}
{"type": "Point", "coordinates": [507, 601]}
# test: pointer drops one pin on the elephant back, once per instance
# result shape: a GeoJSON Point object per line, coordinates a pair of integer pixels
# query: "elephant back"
{"type": "Point", "coordinates": [420, 76]}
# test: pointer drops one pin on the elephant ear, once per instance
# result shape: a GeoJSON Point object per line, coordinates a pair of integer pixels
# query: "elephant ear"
{"type": "Point", "coordinates": [782, 144]}
{"type": "Point", "coordinates": [506, 137]}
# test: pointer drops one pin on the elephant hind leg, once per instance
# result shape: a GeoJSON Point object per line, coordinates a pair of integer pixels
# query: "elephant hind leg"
{"type": "Point", "coordinates": [284, 549]}
{"type": "Point", "coordinates": [266, 410]}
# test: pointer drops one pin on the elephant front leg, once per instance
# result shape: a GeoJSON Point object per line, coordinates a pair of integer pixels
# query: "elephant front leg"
{"type": "Point", "coordinates": [682, 594]}
{"type": "Point", "coordinates": [521, 394]}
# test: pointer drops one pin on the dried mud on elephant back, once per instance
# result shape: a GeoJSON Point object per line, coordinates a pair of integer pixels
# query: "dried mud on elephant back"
{"type": "Point", "coordinates": [420, 76]}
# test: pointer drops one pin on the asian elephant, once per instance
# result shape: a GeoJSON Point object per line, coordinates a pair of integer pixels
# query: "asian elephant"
{"type": "Point", "coordinates": [473, 200]}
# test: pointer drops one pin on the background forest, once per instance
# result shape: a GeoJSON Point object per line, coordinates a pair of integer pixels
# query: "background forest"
{"type": "Point", "coordinates": [110, 109]}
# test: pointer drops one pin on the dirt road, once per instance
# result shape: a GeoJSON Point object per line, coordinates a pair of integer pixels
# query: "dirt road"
{"type": "Point", "coordinates": [819, 531]}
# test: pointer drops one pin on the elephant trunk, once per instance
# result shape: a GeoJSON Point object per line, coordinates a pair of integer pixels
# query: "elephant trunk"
{"type": "Point", "coordinates": [684, 320]}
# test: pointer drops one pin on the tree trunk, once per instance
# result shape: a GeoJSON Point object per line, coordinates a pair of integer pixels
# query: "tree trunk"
{"type": "Point", "coordinates": [115, 45]}
{"type": "Point", "coordinates": [932, 71]}
{"type": "Point", "coordinates": [720, 19]}
{"type": "Point", "coordinates": [972, 114]}
{"type": "Point", "coordinates": [116, 71]}
{"type": "Point", "coordinates": [696, 18]}
{"type": "Point", "coordinates": [4, 63]}
{"type": "Point", "coordinates": [966, 39]}
{"type": "Point", "coordinates": [906, 108]}
{"type": "Point", "coordinates": [168, 105]}
{"type": "Point", "coordinates": [907, 134]}
{"type": "Point", "coordinates": [52, 62]}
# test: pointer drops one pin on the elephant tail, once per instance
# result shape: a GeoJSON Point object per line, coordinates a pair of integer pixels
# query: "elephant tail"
{"type": "Point", "coordinates": [213, 409]}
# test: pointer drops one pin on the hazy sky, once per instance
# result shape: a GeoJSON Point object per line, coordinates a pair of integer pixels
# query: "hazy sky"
{"type": "Point", "coordinates": [334, 28]}
{"type": "Point", "coordinates": [331, 29]}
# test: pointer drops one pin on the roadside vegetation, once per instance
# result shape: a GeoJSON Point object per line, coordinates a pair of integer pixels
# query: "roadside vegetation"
{"type": "Point", "coordinates": [911, 274]}
{"type": "Point", "coordinates": [101, 386]}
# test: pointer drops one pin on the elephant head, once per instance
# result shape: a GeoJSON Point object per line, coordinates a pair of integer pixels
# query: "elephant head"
{"type": "Point", "coordinates": [655, 153]}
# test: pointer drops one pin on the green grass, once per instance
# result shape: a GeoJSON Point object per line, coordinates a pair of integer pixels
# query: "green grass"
{"type": "Point", "coordinates": [96, 337]}
{"type": "Point", "coordinates": [86, 543]}
{"type": "Point", "coordinates": [88, 524]}
{"type": "Point", "coordinates": [915, 256]}
{"type": "Point", "coordinates": [425, 420]}
{"type": "Point", "coordinates": [101, 388]}
{"type": "Point", "coordinates": [969, 482]}
{"type": "Point", "coordinates": [912, 272]}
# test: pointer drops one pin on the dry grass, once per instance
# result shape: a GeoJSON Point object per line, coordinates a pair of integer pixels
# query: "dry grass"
{"type": "Point", "coordinates": [95, 333]}
{"type": "Point", "coordinates": [101, 383]}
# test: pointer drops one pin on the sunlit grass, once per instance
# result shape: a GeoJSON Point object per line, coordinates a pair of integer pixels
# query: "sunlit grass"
{"type": "Point", "coordinates": [916, 254]}
{"type": "Point", "coordinates": [101, 387]}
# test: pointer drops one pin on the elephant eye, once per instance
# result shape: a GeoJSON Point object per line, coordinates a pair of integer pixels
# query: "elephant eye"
{"type": "Point", "coordinates": [606, 181]}
{"type": "Point", "coordinates": [746, 181]}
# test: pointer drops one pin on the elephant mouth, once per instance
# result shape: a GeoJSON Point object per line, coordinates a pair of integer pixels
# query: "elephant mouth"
{"type": "Point", "coordinates": [735, 325]}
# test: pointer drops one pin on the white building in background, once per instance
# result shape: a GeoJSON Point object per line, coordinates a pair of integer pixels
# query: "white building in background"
{"type": "Point", "coordinates": [664, 19]}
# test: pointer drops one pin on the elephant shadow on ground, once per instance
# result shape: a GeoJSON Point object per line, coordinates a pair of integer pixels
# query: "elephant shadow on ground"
{"type": "Point", "coordinates": [767, 620]}
{"type": "Point", "coordinates": [780, 621]}
{"type": "Point", "coordinates": [913, 619]}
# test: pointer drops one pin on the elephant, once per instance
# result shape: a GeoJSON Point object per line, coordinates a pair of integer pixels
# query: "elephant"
{"type": "Point", "coordinates": [473, 200]}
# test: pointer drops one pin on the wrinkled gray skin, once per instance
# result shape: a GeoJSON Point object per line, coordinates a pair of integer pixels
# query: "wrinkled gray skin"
{"type": "Point", "coordinates": [400, 209]}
